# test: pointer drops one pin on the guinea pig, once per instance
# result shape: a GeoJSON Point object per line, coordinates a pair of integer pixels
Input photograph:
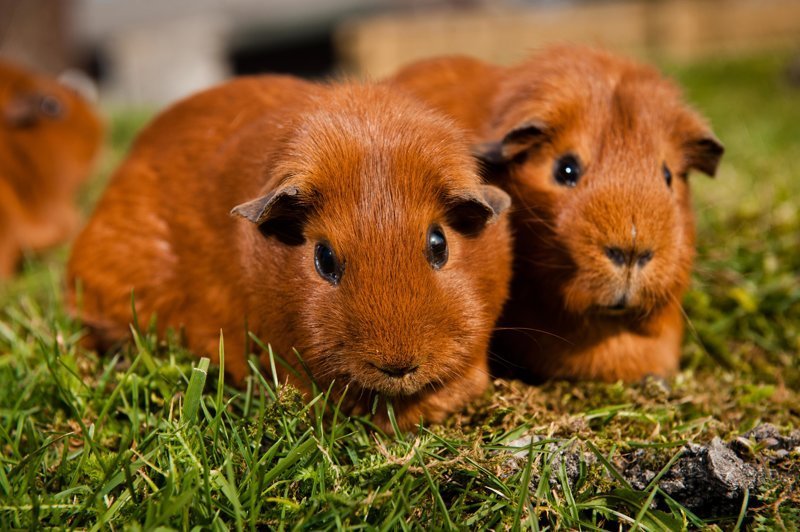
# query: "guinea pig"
{"type": "Point", "coordinates": [347, 222]}
{"type": "Point", "coordinates": [595, 151]}
{"type": "Point", "coordinates": [49, 138]}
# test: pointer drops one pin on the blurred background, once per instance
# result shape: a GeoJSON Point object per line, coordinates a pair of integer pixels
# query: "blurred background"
{"type": "Point", "coordinates": [150, 52]}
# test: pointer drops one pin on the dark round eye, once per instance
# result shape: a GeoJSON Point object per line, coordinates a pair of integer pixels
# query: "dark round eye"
{"type": "Point", "coordinates": [327, 264]}
{"type": "Point", "coordinates": [50, 106]}
{"type": "Point", "coordinates": [667, 174]}
{"type": "Point", "coordinates": [567, 170]}
{"type": "Point", "coordinates": [437, 247]}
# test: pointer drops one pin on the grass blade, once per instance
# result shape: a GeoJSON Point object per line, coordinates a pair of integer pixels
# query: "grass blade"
{"type": "Point", "coordinates": [194, 392]}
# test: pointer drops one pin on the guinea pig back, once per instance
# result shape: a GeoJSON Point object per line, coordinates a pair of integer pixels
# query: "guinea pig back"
{"type": "Point", "coordinates": [595, 151]}
{"type": "Point", "coordinates": [49, 138]}
{"type": "Point", "coordinates": [344, 221]}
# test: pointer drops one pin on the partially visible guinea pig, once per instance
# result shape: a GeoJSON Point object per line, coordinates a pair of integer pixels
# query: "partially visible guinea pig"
{"type": "Point", "coordinates": [49, 138]}
{"type": "Point", "coordinates": [595, 151]}
{"type": "Point", "coordinates": [361, 235]}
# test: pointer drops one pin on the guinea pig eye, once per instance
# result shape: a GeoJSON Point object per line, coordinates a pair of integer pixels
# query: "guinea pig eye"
{"type": "Point", "coordinates": [567, 170]}
{"type": "Point", "coordinates": [50, 106]}
{"type": "Point", "coordinates": [667, 174]}
{"type": "Point", "coordinates": [327, 264]}
{"type": "Point", "coordinates": [437, 247]}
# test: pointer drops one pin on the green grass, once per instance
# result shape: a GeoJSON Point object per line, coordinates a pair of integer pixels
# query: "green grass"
{"type": "Point", "coordinates": [150, 437]}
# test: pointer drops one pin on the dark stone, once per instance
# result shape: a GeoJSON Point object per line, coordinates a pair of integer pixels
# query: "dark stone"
{"type": "Point", "coordinates": [707, 479]}
{"type": "Point", "coordinates": [562, 455]}
{"type": "Point", "coordinates": [768, 436]}
{"type": "Point", "coordinates": [710, 480]}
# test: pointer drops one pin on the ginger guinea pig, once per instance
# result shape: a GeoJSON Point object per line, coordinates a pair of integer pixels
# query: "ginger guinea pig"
{"type": "Point", "coordinates": [49, 137]}
{"type": "Point", "coordinates": [346, 221]}
{"type": "Point", "coordinates": [595, 151]}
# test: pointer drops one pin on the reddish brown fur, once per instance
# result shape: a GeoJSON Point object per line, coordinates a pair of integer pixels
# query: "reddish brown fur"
{"type": "Point", "coordinates": [43, 159]}
{"type": "Point", "coordinates": [359, 167]}
{"type": "Point", "coordinates": [623, 120]}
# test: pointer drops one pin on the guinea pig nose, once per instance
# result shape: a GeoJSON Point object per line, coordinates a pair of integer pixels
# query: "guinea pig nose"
{"type": "Point", "coordinates": [617, 256]}
{"type": "Point", "coordinates": [398, 371]}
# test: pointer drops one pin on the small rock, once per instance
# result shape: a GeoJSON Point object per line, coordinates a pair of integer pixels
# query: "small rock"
{"type": "Point", "coordinates": [769, 443]}
{"type": "Point", "coordinates": [770, 437]}
{"type": "Point", "coordinates": [656, 388]}
{"type": "Point", "coordinates": [708, 479]}
{"type": "Point", "coordinates": [728, 469]}
{"type": "Point", "coordinates": [569, 457]}
{"type": "Point", "coordinates": [762, 432]}
{"type": "Point", "coordinates": [523, 443]}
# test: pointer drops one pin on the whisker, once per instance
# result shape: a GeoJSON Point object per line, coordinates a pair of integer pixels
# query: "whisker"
{"type": "Point", "coordinates": [533, 330]}
{"type": "Point", "coordinates": [506, 363]}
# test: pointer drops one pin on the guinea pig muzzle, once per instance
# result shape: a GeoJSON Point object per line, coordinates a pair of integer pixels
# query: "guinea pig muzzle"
{"type": "Point", "coordinates": [621, 310]}
{"type": "Point", "coordinates": [396, 371]}
{"type": "Point", "coordinates": [394, 379]}
{"type": "Point", "coordinates": [618, 309]}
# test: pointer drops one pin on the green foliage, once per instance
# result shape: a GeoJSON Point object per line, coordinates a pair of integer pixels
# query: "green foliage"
{"type": "Point", "coordinates": [745, 302]}
{"type": "Point", "coordinates": [150, 437]}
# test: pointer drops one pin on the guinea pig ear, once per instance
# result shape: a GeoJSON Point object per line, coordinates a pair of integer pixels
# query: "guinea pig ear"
{"type": "Point", "coordinates": [513, 143]}
{"type": "Point", "coordinates": [281, 213]}
{"type": "Point", "coordinates": [469, 212]}
{"type": "Point", "coordinates": [704, 154]}
{"type": "Point", "coordinates": [702, 150]}
{"type": "Point", "coordinates": [80, 83]}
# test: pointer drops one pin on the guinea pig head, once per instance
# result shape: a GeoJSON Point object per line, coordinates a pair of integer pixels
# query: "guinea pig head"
{"type": "Point", "coordinates": [394, 257]}
{"type": "Point", "coordinates": [51, 121]}
{"type": "Point", "coordinates": [596, 152]}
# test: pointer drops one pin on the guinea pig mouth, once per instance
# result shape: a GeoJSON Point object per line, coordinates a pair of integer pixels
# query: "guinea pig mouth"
{"type": "Point", "coordinates": [622, 307]}
{"type": "Point", "coordinates": [393, 381]}
{"type": "Point", "coordinates": [619, 310]}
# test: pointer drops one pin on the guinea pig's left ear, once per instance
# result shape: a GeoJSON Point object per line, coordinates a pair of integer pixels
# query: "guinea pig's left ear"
{"type": "Point", "coordinates": [704, 154]}
{"type": "Point", "coordinates": [701, 147]}
{"type": "Point", "coordinates": [513, 143]}
{"type": "Point", "coordinates": [470, 211]}
{"type": "Point", "coordinates": [280, 213]}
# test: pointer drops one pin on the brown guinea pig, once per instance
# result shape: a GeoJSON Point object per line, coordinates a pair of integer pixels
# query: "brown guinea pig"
{"type": "Point", "coordinates": [595, 151]}
{"type": "Point", "coordinates": [360, 234]}
{"type": "Point", "coordinates": [49, 137]}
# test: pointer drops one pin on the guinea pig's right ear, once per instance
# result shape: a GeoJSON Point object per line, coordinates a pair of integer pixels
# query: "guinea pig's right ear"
{"type": "Point", "coordinates": [469, 212]}
{"type": "Point", "coordinates": [513, 143]}
{"type": "Point", "coordinates": [704, 153]}
{"type": "Point", "coordinates": [281, 213]}
{"type": "Point", "coordinates": [702, 150]}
